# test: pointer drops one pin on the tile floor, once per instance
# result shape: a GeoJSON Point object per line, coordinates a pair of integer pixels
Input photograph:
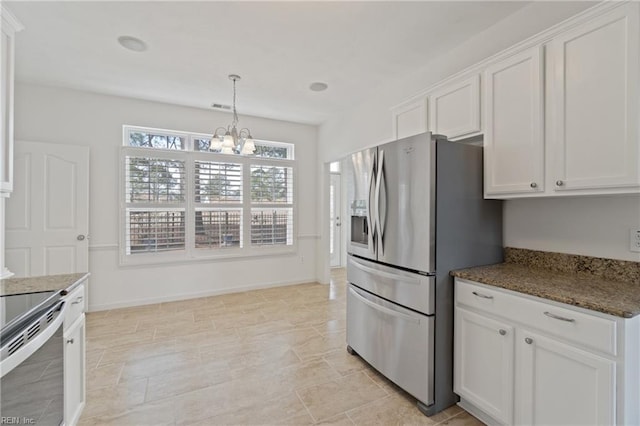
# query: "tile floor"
{"type": "Point", "coordinates": [273, 356]}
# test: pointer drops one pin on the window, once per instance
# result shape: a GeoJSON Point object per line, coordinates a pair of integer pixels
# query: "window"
{"type": "Point", "coordinates": [182, 201]}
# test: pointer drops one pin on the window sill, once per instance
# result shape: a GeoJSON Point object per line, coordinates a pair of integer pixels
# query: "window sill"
{"type": "Point", "coordinates": [168, 259]}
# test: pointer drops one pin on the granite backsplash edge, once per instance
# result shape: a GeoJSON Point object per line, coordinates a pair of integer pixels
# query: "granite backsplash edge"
{"type": "Point", "coordinates": [610, 269]}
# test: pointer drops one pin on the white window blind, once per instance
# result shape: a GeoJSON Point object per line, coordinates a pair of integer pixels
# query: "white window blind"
{"type": "Point", "coordinates": [271, 226]}
{"type": "Point", "coordinates": [218, 228]}
{"type": "Point", "coordinates": [155, 230]}
{"type": "Point", "coordinates": [271, 184]}
{"type": "Point", "coordinates": [154, 180]}
{"type": "Point", "coordinates": [181, 200]}
{"type": "Point", "coordinates": [218, 182]}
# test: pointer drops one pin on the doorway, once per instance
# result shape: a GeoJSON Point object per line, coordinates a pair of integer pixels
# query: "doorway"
{"type": "Point", "coordinates": [335, 215]}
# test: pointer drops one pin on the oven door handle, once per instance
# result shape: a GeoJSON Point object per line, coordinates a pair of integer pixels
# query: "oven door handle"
{"type": "Point", "coordinates": [12, 361]}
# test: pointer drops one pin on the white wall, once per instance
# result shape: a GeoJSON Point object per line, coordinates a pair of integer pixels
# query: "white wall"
{"type": "Point", "coordinates": [45, 114]}
{"type": "Point", "coordinates": [596, 226]}
{"type": "Point", "coordinates": [591, 226]}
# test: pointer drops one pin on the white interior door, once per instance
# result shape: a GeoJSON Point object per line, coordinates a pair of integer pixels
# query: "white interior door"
{"type": "Point", "coordinates": [47, 216]}
{"type": "Point", "coordinates": [335, 221]}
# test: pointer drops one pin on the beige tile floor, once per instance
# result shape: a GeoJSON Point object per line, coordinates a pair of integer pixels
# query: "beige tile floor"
{"type": "Point", "coordinates": [273, 356]}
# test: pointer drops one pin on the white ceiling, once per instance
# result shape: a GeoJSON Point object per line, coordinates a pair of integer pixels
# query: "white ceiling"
{"type": "Point", "coordinates": [278, 48]}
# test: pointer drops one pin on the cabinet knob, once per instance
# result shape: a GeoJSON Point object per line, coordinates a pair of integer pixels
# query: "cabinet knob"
{"type": "Point", "coordinates": [502, 332]}
{"type": "Point", "coordinates": [533, 185]}
{"type": "Point", "coordinates": [78, 300]}
{"type": "Point", "coordinates": [529, 340]}
{"type": "Point", "coordinates": [559, 183]}
{"type": "Point", "coordinates": [70, 341]}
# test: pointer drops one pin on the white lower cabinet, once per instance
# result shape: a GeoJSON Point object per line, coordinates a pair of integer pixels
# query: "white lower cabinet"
{"type": "Point", "coordinates": [523, 360]}
{"type": "Point", "coordinates": [484, 363]}
{"type": "Point", "coordinates": [74, 356]}
{"type": "Point", "coordinates": [560, 384]}
{"type": "Point", "coordinates": [74, 371]}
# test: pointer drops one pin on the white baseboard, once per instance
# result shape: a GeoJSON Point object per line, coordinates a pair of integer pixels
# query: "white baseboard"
{"type": "Point", "coordinates": [186, 296]}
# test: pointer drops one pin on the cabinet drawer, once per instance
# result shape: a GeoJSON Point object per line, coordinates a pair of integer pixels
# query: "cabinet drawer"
{"type": "Point", "coordinates": [75, 305]}
{"type": "Point", "coordinates": [408, 289]}
{"type": "Point", "coordinates": [566, 323]}
{"type": "Point", "coordinates": [396, 341]}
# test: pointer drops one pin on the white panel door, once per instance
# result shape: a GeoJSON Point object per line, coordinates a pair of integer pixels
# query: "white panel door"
{"type": "Point", "coordinates": [595, 102]}
{"type": "Point", "coordinates": [455, 109]}
{"type": "Point", "coordinates": [47, 217]}
{"type": "Point", "coordinates": [559, 384]}
{"type": "Point", "coordinates": [514, 132]}
{"type": "Point", "coordinates": [483, 363]}
{"type": "Point", "coordinates": [335, 221]}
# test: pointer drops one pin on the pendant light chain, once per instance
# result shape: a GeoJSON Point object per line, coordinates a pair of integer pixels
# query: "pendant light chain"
{"type": "Point", "coordinates": [235, 114]}
{"type": "Point", "coordinates": [230, 140]}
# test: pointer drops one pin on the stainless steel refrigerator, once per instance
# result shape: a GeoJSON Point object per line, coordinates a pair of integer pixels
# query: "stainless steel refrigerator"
{"type": "Point", "coordinates": [416, 212]}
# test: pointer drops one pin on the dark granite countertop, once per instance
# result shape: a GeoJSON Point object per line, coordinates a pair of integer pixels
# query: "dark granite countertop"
{"type": "Point", "coordinates": [67, 282]}
{"type": "Point", "coordinates": [602, 285]}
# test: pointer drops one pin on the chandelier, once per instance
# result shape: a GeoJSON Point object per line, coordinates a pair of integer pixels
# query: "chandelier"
{"type": "Point", "coordinates": [228, 140]}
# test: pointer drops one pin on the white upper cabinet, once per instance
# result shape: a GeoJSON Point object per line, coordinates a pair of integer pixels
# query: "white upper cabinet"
{"type": "Point", "coordinates": [594, 114]}
{"type": "Point", "coordinates": [9, 25]}
{"type": "Point", "coordinates": [454, 110]}
{"type": "Point", "coordinates": [410, 118]}
{"type": "Point", "coordinates": [514, 126]}
{"type": "Point", "coordinates": [582, 137]}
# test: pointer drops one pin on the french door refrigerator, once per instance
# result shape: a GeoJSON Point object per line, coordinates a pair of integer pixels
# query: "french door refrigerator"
{"type": "Point", "coordinates": [416, 212]}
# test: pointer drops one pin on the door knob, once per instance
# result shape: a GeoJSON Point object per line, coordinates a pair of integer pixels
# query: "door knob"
{"type": "Point", "coordinates": [80, 237]}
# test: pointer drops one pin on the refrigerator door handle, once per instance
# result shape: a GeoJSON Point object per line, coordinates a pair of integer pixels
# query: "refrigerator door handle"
{"type": "Point", "coordinates": [379, 183]}
{"type": "Point", "coordinates": [371, 221]}
{"type": "Point", "coordinates": [384, 309]}
{"type": "Point", "coordinates": [405, 279]}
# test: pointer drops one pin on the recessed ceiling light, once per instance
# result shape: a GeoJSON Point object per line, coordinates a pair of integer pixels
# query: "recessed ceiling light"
{"type": "Point", "coordinates": [318, 86]}
{"type": "Point", "coordinates": [132, 43]}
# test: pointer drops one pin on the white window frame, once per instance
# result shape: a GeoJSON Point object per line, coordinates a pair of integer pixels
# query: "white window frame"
{"type": "Point", "coordinates": [190, 253]}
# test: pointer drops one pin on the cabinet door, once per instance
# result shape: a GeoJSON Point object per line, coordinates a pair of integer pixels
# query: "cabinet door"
{"type": "Point", "coordinates": [483, 363]}
{"type": "Point", "coordinates": [74, 371]}
{"type": "Point", "coordinates": [595, 98]}
{"type": "Point", "coordinates": [514, 133]}
{"type": "Point", "coordinates": [410, 118]}
{"type": "Point", "coordinates": [559, 384]}
{"type": "Point", "coordinates": [455, 109]}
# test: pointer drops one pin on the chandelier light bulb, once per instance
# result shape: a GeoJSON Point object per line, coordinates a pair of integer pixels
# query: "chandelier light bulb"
{"type": "Point", "coordinates": [216, 144]}
{"type": "Point", "coordinates": [227, 142]}
{"type": "Point", "coordinates": [249, 147]}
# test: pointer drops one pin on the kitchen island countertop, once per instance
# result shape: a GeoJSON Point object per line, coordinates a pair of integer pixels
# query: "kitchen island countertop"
{"type": "Point", "coordinates": [62, 282]}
